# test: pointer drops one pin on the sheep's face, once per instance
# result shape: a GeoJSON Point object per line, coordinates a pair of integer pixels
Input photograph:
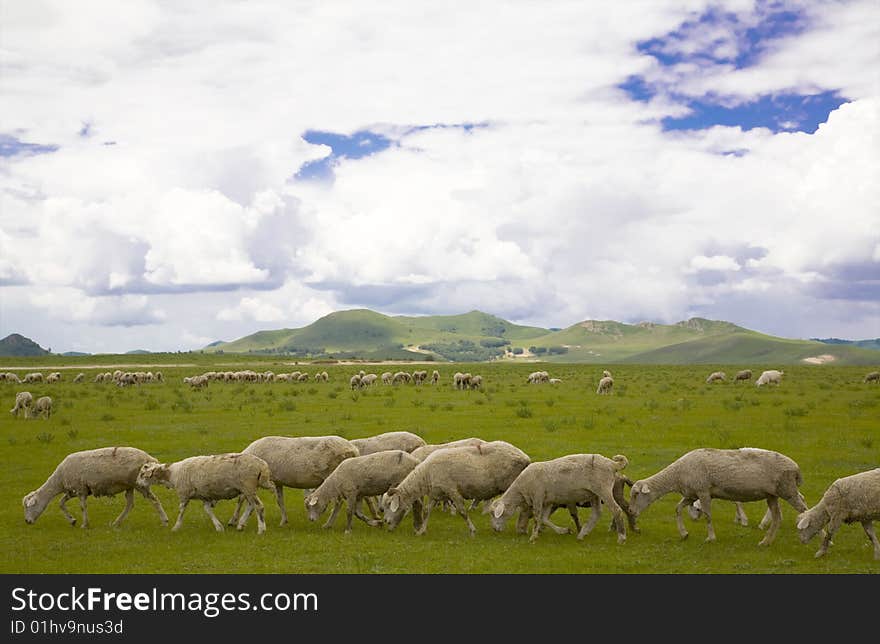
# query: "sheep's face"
{"type": "Point", "coordinates": [808, 524]}
{"type": "Point", "coordinates": [393, 512]}
{"type": "Point", "coordinates": [152, 473]}
{"type": "Point", "coordinates": [499, 513]}
{"type": "Point", "coordinates": [639, 497]}
{"type": "Point", "coordinates": [31, 508]}
{"type": "Point", "coordinates": [694, 510]}
{"type": "Point", "coordinates": [315, 506]}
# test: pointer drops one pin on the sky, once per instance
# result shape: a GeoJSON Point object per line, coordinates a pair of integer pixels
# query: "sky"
{"type": "Point", "coordinates": [172, 173]}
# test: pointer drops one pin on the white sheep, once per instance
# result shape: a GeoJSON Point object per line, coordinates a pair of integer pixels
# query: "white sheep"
{"type": "Point", "coordinates": [435, 377]}
{"type": "Point", "coordinates": [476, 472]}
{"type": "Point", "coordinates": [850, 499]}
{"type": "Point", "coordinates": [606, 384]}
{"type": "Point", "coordinates": [368, 379]}
{"type": "Point", "coordinates": [105, 471]}
{"type": "Point", "coordinates": [401, 376]}
{"type": "Point", "coordinates": [53, 377]}
{"type": "Point", "coordinates": [79, 377]}
{"type": "Point", "coordinates": [745, 374]}
{"type": "Point", "coordinates": [745, 474]}
{"type": "Point", "coordinates": [406, 441]}
{"type": "Point", "coordinates": [873, 376]}
{"type": "Point", "coordinates": [42, 407]}
{"type": "Point", "coordinates": [23, 402]}
{"type": "Point", "coordinates": [299, 462]}
{"type": "Point", "coordinates": [716, 376]}
{"type": "Point", "coordinates": [12, 377]}
{"type": "Point", "coordinates": [566, 481]}
{"type": "Point", "coordinates": [555, 381]}
{"type": "Point", "coordinates": [425, 451]}
{"type": "Point", "coordinates": [33, 377]}
{"type": "Point", "coordinates": [355, 381]}
{"type": "Point", "coordinates": [770, 377]}
{"type": "Point", "coordinates": [210, 479]}
{"type": "Point", "coordinates": [476, 382]}
{"type": "Point", "coordinates": [537, 377]}
{"type": "Point", "coordinates": [387, 377]}
{"type": "Point", "coordinates": [359, 478]}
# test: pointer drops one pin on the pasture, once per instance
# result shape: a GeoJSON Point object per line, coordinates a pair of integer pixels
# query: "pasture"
{"type": "Point", "coordinates": [824, 417]}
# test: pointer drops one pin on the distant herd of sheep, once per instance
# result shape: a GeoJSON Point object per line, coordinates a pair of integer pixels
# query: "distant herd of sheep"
{"type": "Point", "coordinates": [397, 473]}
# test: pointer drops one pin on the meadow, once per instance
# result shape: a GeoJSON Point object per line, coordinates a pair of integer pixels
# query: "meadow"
{"type": "Point", "coordinates": [824, 417]}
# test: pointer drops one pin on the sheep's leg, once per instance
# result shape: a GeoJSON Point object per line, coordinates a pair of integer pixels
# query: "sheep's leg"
{"type": "Point", "coordinates": [538, 514]}
{"type": "Point", "coordinates": [371, 506]}
{"type": "Point", "coordinates": [678, 521]}
{"type": "Point", "coordinates": [573, 511]}
{"type": "Point", "coordinates": [363, 517]}
{"type": "Point", "coordinates": [616, 513]}
{"type": "Point", "coordinates": [279, 496]}
{"type": "Point", "coordinates": [522, 521]}
{"type": "Point", "coordinates": [256, 504]}
{"type": "Point", "coordinates": [63, 505]}
{"type": "Point", "coordinates": [740, 516]}
{"type": "Point", "coordinates": [706, 508]}
{"type": "Point", "coordinates": [766, 520]}
{"type": "Point", "coordinates": [869, 530]}
{"type": "Point", "coordinates": [337, 505]}
{"type": "Point", "coordinates": [246, 514]}
{"type": "Point", "coordinates": [152, 498]}
{"type": "Point", "coordinates": [85, 512]}
{"type": "Point", "coordinates": [832, 527]}
{"type": "Point", "coordinates": [417, 514]}
{"type": "Point", "coordinates": [595, 513]}
{"type": "Point", "coordinates": [424, 525]}
{"type": "Point", "coordinates": [180, 510]}
{"type": "Point", "coordinates": [776, 519]}
{"type": "Point", "coordinates": [209, 508]}
{"type": "Point", "coordinates": [129, 504]}
{"type": "Point", "coordinates": [461, 507]}
{"type": "Point", "coordinates": [351, 507]}
{"type": "Point", "coordinates": [545, 520]}
{"type": "Point", "coordinates": [237, 512]}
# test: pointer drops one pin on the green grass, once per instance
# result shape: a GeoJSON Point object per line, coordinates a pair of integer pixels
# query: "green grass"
{"type": "Point", "coordinates": [822, 416]}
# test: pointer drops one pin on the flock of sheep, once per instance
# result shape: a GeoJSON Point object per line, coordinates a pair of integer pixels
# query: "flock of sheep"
{"type": "Point", "coordinates": [397, 473]}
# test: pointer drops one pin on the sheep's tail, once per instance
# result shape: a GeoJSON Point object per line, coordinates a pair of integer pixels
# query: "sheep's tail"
{"type": "Point", "coordinates": [265, 479]}
{"type": "Point", "coordinates": [620, 461]}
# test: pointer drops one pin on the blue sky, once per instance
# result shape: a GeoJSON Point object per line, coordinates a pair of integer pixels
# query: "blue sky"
{"type": "Point", "coordinates": [168, 178]}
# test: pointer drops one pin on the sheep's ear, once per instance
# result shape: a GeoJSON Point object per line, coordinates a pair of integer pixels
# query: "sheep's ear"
{"type": "Point", "coordinates": [803, 522]}
{"type": "Point", "coordinates": [313, 501]}
{"type": "Point", "coordinates": [498, 510]}
{"type": "Point", "coordinates": [30, 500]}
{"type": "Point", "coordinates": [395, 503]}
{"type": "Point", "coordinates": [645, 489]}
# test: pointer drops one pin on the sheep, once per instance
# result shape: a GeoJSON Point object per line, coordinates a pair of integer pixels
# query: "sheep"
{"type": "Point", "coordinates": [435, 377]}
{"type": "Point", "coordinates": [79, 377]}
{"type": "Point", "coordinates": [387, 377]}
{"type": "Point", "coordinates": [159, 377]}
{"type": "Point", "coordinates": [537, 377]}
{"type": "Point", "coordinates": [299, 462]}
{"type": "Point", "coordinates": [405, 441]}
{"type": "Point", "coordinates": [850, 499]}
{"type": "Point", "coordinates": [368, 379]}
{"type": "Point", "coordinates": [33, 377]}
{"type": "Point", "coordinates": [745, 474]}
{"type": "Point", "coordinates": [105, 471]}
{"type": "Point", "coordinates": [716, 376]}
{"type": "Point", "coordinates": [476, 382]}
{"type": "Point", "coordinates": [745, 374]}
{"type": "Point", "coordinates": [359, 478]}
{"type": "Point", "coordinates": [873, 376]}
{"type": "Point", "coordinates": [53, 377]}
{"type": "Point", "coordinates": [355, 381]}
{"type": "Point", "coordinates": [419, 377]}
{"type": "Point", "coordinates": [12, 377]}
{"type": "Point", "coordinates": [770, 377]}
{"type": "Point", "coordinates": [303, 377]}
{"type": "Point", "coordinates": [555, 381]}
{"type": "Point", "coordinates": [210, 479]}
{"type": "Point", "coordinates": [605, 385]}
{"type": "Point", "coordinates": [401, 376]}
{"type": "Point", "coordinates": [425, 451]}
{"type": "Point", "coordinates": [606, 373]}
{"type": "Point", "coordinates": [41, 407]}
{"type": "Point", "coordinates": [565, 481]}
{"type": "Point", "coordinates": [473, 472]}
{"type": "Point", "coordinates": [23, 401]}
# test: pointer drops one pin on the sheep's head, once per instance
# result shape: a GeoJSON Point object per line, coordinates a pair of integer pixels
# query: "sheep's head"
{"type": "Point", "coordinates": [640, 497]}
{"type": "Point", "coordinates": [315, 505]}
{"type": "Point", "coordinates": [151, 473]}
{"type": "Point", "coordinates": [809, 523]}
{"type": "Point", "coordinates": [500, 512]}
{"type": "Point", "coordinates": [393, 510]}
{"type": "Point", "coordinates": [32, 509]}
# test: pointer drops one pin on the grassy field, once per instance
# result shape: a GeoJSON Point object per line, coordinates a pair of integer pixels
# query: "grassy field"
{"type": "Point", "coordinates": [822, 416]}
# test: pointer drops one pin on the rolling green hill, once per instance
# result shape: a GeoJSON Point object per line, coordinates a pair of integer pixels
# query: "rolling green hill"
{"type": "Point", "coordinates": [15, 344]}
{"type": "Point", "coordinates": [478, 336]}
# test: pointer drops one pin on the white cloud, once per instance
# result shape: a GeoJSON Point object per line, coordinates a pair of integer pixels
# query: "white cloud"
{"type": "Point", "coordinates": [713, 263]}
{"type": "Point", "coordinates": [252, 308]}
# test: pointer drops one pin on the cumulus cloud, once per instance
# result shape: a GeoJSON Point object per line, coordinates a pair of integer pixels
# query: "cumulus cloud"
{"type": "Point", "coordinates": [518, 177]}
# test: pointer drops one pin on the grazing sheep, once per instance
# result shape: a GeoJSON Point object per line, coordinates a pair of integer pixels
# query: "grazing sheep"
{"type": "Point", "coordinates": [158, 377]}
{"type": "Point", "coordinates": [11, 377]}
{"type": "Point", "coordinates": [197, 382]}
{"type": "Point", "coordinates": [419, 377]}
{"type": "Point", "coordinates": [745, 474]}
{"type": "Point", "coordinates": [355, 381]}
{"type": "Point", "coordinates": [566, 481]}
{"type": "Point", "coordinates": [770, 377]}
{"type": "Point", "coordinates": [211, 479]}
{"type": "Point", "coordinates": [850, 499]}
{"type": "Point", "coordinates": [873, 376]}
{"type": "Point", "coordinates": [53, 377]}
{"type": "Point", "coordinates": [23, 401]}
{"type": "Point", "coordinates": [425, 451]}
{"type": "Point", "coordinates": [105, 471]}
{"type": "Point", "coordinates": [368, 379]}
{"type": "Point", "coordinates": [605, 385]}
{"type": "Point", "coordinates": [79, 377]}
{"type": "Point", "coordinates": [716, 376]}
{"type": "Point", "coordinates": [555, 381]}
{"type": "Point", "coordinates": [476, 382]}
{"type": "Point", "coordinates": [435, 377]}
{"type": "Point", "coordinates": [405, 441]}
{"type": "Point", "coordinates": [299, 462]}
{"type": "Point", "coordinates": [41, 407]}
{"type": "Point", "coordinates": [537, 377]}
{"type": "Point", "coordinates": [606, 374]}
{"type": "Point", "coordinates": [387, 377]}
{"type": "Point", "coordinates": [401, 376]}
{"type": "Point", "coordinates": [33, 377]}
{"type": "Point", "coordinates": [475, 472]}
{"type": "Point", "coordinates": [745, 374]}
{"type": "Point", "coordinates": [359, 478]}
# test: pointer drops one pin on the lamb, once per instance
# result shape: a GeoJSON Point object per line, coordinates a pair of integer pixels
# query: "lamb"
{"type": "Point", "coordinates": [770, 377]}
{"type": "Point", "coordinates": [105, 471]}
{"type": "Point", "coordinates": [386, 378]}
{"type": "Point", "coordinates": [537, 377]}
{"type": "Point", "coordinates": [368, 379]}
{"type": "Point", "coordinates": [716, 376]}
{"type": "Point", "coordinates": [355, 381]}
{"type": "Point", "coordinates": [33, 377]}
{"type": "Point", "coordinates": [476, 382]}
{"type": "Point", "coordinates": [23, 401]}
{"type": "Point", "coordinates": [301, 462]}
{"type": "Point", "coordinates": [873, 376]}
{"type": "Point", "coordinates": [555, 381]}
{"type": "Point", "coordinates": [745, 474]}
{"type": "Point", "coordinates": [566, 481]}
{"type": "Point", "coordinates": [475, 472]}
{"type": "Point", "coordinates": [79, 377]}
{"type": "Point", "coordinates": [605, 385]}
{"type": "Point", "coordinates": [435, 377]}
{"type": "Point", "coordinates": [360, 478]}
{"type": "Point", "coordinates": [850, 499]}
{"type": "Point", "coordinates": [41, 407]}
{"type": "Point", "coordinates": [405, 441]}
{"type": "Point", "coordinates": [211, 479]}
{"type": "Point", "coordinates": [745, 374]}
{"type": "Point", "coordinates": [53, 377]}
{"type": "Point", "coordinates": [425, 451]}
